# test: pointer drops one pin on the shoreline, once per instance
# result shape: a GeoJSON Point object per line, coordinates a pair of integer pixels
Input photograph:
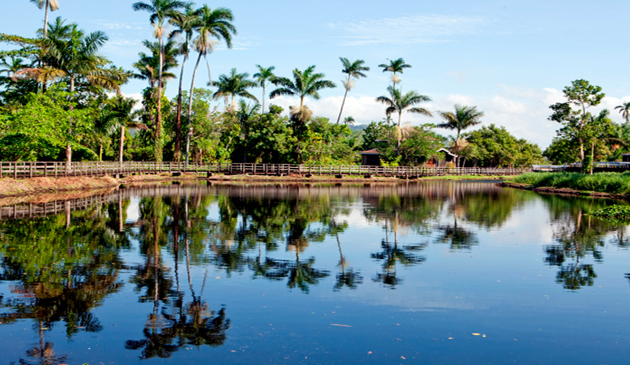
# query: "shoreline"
{"type": "Point", "coordinates": [561, 191]}
{"type": "Point", "coordinates": [69, 186]}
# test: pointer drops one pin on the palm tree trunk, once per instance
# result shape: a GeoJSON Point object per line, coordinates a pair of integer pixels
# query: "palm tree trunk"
{"type": "Point", "coordinates": [178, 120]}
{"type": "Point", "coordinates": [263, 99]}
{"type": "Point", "coordinates": [190, 101]}
{"type": "Point", "coordinates": [121, 146]}
{"type": "Point", "coordinates": [592, 156]}
{"type": "Point", "coordinates": [342, 104]}
{"type": "Point", "coordinates": [47, 5]}
{"type": "Point", "coordinates": [158, 124]}
{"type": "Point", "coordinates": [68, 147]}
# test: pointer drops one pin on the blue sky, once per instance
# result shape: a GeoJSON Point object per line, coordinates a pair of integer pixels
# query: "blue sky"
{"type": "Point", "coordinates": [510, 58]}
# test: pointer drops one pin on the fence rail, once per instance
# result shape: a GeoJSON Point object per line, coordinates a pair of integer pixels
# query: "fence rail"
{"type": "Point", "coordinates": [92, 168]}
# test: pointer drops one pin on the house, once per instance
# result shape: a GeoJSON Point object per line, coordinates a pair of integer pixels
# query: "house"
{"type": "Point", "coordinates": [371, 157]}
{"type": "Point", "coordinates": [448, 157]}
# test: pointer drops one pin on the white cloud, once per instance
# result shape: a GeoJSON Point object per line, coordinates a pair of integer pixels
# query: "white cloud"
{"type": "Point", "coordinates": [409, 29]}
{"type": "Point", "coordinates": [119, 25]}
{"type": "Point", "coordinates": [523, 112]}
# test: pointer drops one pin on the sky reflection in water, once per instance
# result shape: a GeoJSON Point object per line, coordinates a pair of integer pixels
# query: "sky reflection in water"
{"type": "Point", "coordinates": [435, 272]}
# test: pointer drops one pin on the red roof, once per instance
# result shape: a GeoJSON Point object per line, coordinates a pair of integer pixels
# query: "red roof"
{"type": "Point", "coordinates": [372, 151]}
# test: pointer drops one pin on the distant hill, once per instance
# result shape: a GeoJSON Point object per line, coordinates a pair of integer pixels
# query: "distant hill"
{"type": "Point", "coordinates": [358, 128]}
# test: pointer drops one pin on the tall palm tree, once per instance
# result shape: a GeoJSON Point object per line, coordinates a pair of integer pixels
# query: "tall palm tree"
{"type": "Point", "coordinates": [395, 66]}
{"type": "Point", "coordinates": [160, 11]}
{"type": "Point", "coordinates": [464, 117]}
{"type": "Point", "coordinates": [215, 25]}
{"type": "Point", "coordinates": [186, 23]}
{"type": "Point", "coordinates": [51, 5]}
{"type": "Point", "coordinates": [355, 71]}
{"type": "Point", "coordinates": [262, 76]}
{"type": "Point", "coordinates": [624, 109]}
{"type": "Point", "coordinates": [399, 103]}
{"type": "Point", "coordinates": [234, 84]}
{"type": "Point", "coordinates": [307, 83]}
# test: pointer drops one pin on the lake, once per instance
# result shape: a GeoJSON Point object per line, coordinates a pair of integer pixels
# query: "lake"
{"type": "Point", "coordinates": [424, 272]}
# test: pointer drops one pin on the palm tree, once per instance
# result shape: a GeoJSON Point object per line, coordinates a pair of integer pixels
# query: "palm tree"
{"type": "Point", "coordinates": [51, 5]}
{"type": "Point", "coordinates": [234, 84]}
{"type": "Point", "coordinates": [73, 55]}
{"type": "Point", "coordinates": [186, 23]}
{"type": "Point", "coordinates": [262, 76]}
{"type": "Point", "coordinates": [307, 83]}
{"type": "Point", "coordinates": [215, 25]}
{"type": "Point", "coordinates": [398, 103]}
{"type": "Point", "coordinates": [395, 66]}
{"type": "Point", "coordinates": [624, 109]}
{"type": "Point", "coordinates": [160, 10]}
{"type": "Point", "coordinates": [355, 71]}
{"type": "Point", "coordinates": [464, 117]}
{"type": "Point", "coordinates": [148, 65]}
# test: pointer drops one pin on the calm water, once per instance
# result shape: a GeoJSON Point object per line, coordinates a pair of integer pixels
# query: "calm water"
{"type": "Point", "coordinates": [435, 272]}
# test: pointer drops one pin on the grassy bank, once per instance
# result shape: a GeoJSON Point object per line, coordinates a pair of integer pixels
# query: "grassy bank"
{"type": "Point", "coordinates": [604, 182]}
{"type": "Point", "coordinates": [12, 187]}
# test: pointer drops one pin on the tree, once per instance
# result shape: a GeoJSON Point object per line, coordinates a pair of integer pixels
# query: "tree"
{"type": "Point", "coordinates": [234, 84]}
{"type": "Point", "coordinates": [492, 146]}
{"type": "Point", "coordinates": [395, 66]}
{"type": "Point", "coordinates": [582, 95]}
{"type": "Point", "coordinates": [51, 5]}
{"type": "Point", "coordinates": [160, 11]}
{"type": "Point", "coordinates": [355, 71]}
{"type": "Point", "coordinates": [148, 65]}
{"type": "Point", "coordinates": [119, 112]}
{"type": "Point", "coordinates": [398, 103]}
{"type": "Point", "coordinates": [624, 109]}
{"type": "Point", "coordinates": [245, 114]}
{"type": "Point", "coordinates": [306, 83]}
{"type": "Point", "coordinates": [262, 76]}
{"type": "Point", "coordinates": [186, 22]}
{"type": "Point", "coordinates": [215, 25]}
{"type": "Point", "coordinates": [74, 55]}
{"type": "Point", "coordinates": [464, 117]}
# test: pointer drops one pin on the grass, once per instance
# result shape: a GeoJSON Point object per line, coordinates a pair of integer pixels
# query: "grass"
{"type": "Point", "coordinates": [603, 182]}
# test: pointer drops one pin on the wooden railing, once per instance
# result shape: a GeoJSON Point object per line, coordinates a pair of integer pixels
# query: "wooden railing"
{"type": "Point", "coordinates": [95, 168]}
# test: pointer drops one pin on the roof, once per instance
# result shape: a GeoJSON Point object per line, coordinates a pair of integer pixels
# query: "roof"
{"type": "Point", "coordinates": [372, 151]}
{"type": "Point", "coordinates": [447, 151]}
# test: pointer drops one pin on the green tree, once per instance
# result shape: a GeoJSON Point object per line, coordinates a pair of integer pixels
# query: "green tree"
{"type": "Point", "coordinates": [355, 71]}
{"type": "Point", "coordinates": [582, 95]}
{"type": "Point", "coordinates": [494, 146]}
{"type": "Point", "coordinates": [395, 66]}
{"type": "Point", "coordinates": [186, 22]}
{"type": "Point", "coordinates": [464, 117]}
{"type": "Point", "coordinates": [398, 103]}
{"type": "Point", "coordinates": [161, 11]}
{"type": "Point", "coordinates": [215, 25]}
{"type": "Point", "coordinates": [305, 83]}
{"type": "Point", "coordinates": [234, 84]}
{"type": "Point", "coordinates": [262, 76]}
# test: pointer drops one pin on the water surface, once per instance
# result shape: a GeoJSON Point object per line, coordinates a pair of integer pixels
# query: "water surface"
{"type": "Point", "coordinates": [432, 272]}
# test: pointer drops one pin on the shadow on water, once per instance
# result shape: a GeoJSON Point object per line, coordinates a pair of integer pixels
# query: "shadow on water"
{"type": "Point", "coordinates": [80, 247]}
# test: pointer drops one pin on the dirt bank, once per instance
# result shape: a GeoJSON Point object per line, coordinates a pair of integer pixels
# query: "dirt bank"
{"type": "Point", "coordinates": [560, 191]}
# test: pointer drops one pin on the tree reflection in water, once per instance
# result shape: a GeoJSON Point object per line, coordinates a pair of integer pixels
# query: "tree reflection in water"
{"type": "Point", "coordinates": [77, 265]}
{"type": "Point", "coordinates": [75, 268]}
{"type": "Point", "coordinates": [578, 236]}
{"type": "Point", "coordinates": [178, 324]}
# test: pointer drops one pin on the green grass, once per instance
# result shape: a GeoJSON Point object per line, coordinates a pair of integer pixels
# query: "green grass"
{"type": "Point", "coordinates": [604, 182]}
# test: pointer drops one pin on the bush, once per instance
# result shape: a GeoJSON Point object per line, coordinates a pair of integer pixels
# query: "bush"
{"type": "Point", "coordinates": [605, 182]}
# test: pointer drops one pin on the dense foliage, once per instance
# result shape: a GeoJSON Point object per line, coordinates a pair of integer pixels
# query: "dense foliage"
{"type": "Point", "coordinates": [606, 182]}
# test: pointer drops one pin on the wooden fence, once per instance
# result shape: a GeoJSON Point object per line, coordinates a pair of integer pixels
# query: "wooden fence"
{"type": "Point", "coordinates": [94, 168]}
